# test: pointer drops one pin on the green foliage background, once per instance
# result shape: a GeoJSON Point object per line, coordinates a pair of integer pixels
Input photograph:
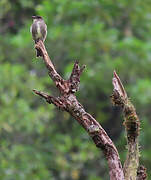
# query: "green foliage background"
{"type": "Point", "coordinates": [37, 141]}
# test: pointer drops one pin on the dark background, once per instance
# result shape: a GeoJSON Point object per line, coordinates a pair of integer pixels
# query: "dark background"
{"type": "Point", "coordinates": [39, 142]}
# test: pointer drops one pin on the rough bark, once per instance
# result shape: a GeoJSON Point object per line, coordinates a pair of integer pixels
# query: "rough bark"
{"type": "Point", "coordinates": [141, 173]}
{"type": "Point", "coordinates": [132, 126]}
{"type": "Point", "coordinates": [67, 101]}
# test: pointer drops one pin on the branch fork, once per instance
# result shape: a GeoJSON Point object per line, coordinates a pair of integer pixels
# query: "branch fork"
{"type": "Point", "coordinates": [67, 101]}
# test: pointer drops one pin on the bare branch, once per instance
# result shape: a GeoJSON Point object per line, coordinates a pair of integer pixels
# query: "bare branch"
{"type": "Point", "coordinates": [74, 80]}
{"type": "Point", "coordinates": [141, 173]}
{"type": "Point", "coordinates": [50, 99]}
{"type": "Point", "coordinates": [132, 126]}
{"type": "Point", "coordinates": [68, 102]}
{"type": "Point", "coordinates": [43, 95]}
{"type": "Point", "coordinates": [58, 80]}
{"type": "Point", "coordinates": [118, 86]}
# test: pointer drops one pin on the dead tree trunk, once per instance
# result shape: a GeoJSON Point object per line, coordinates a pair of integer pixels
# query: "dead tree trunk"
{"type": "Point", "coordinates": [67, 101]}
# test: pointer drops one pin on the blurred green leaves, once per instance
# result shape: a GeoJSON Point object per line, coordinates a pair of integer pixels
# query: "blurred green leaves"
{"type": "Point", "coordinates": [40, 142]}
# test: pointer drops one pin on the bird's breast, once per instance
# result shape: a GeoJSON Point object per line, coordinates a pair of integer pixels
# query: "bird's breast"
{"type": "Point", "coordinates": [38, 35]}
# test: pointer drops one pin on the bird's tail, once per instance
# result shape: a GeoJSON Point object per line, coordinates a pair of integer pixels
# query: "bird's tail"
{"type": "Point", "coordinates": [38, 52]}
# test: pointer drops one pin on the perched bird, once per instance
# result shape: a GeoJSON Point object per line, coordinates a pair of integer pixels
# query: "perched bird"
{"type": "Point", "coordinates": [38, 30]}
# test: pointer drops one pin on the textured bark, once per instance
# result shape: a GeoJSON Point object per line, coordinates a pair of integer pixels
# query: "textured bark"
{"type": "Point", "coordinates": [132, 126]}
{"type": "Point", "coordinates": [67, 101]}
{"type": "Point", "coordinates": [141, 173]}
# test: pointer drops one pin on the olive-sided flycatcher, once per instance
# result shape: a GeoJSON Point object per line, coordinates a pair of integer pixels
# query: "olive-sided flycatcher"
{"type": "Point", "coordinates": [38, 30]}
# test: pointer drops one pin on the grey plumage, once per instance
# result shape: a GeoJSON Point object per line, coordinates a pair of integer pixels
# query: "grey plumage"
{"type": "Point", "coordinates": [38, 30]}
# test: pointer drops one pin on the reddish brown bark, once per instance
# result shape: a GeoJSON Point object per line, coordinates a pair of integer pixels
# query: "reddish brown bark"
{"type": "Point", "coordinates": [67, 101]}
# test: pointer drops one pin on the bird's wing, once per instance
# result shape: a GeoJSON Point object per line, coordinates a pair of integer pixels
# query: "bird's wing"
{"type": "Point", "coordinates": [44, 31]}
{"type": "Point", "coordinates": [33, 30]}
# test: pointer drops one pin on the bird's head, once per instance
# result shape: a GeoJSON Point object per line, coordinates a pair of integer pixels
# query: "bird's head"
{"type": "Point", "coordinates": [37, 17]}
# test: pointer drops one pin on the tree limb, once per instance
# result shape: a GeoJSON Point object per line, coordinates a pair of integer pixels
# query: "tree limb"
{"type": "Point", "coordinates": [68, 102]}
{"type": "Point", "coordinates": [132, 126]}
{"type": "Point", "coordinates": [141, 173]}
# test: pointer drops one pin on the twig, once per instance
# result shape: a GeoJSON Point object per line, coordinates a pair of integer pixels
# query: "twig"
{"type": "Point", "coordinates": [68, 102]}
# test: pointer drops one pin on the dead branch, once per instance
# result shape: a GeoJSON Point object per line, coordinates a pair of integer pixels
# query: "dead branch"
{"type": "Point", "coordinates": [141, 173]}
{"type": "Point", "coordinates": [67, 101]}
{"type": "Point", "coordinates": [132, 126]}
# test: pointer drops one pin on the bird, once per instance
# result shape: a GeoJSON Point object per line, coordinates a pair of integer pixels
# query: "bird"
{"type": "Point", "coordinates": [38, 30]}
